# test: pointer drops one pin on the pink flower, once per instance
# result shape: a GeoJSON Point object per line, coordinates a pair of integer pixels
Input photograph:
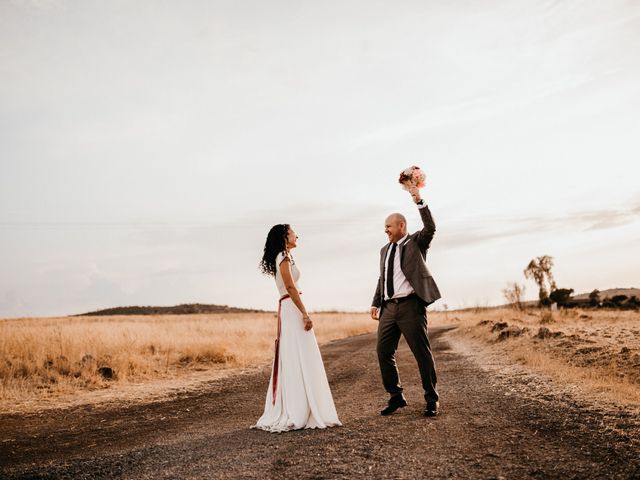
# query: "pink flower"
{"type": "Point", "coordinates": [412, 177]}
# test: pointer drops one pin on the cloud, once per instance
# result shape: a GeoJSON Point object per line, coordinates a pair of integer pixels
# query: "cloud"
{"type": "Point", "coordinates": [322, 218]}
{"type": "Point", "coordinates": [330, 223]}
{"type": "Point", "coordinates": [478, 232]}
{"type": "Point", "coordinates": [604, 219]}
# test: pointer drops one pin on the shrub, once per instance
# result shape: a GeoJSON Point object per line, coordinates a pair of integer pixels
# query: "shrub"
{"type": "Point", "coordinates": [618, 299]}
{"type": "Point", "coordinates": [561, 296]}
{"type": "Point", "coordinates": [513, 293]}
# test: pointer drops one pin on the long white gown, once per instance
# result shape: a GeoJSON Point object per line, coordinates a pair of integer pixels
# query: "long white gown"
{"type": "Point", "coordinates": [302, 394]}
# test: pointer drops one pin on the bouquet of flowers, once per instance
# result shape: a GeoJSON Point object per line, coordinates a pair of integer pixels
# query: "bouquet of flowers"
{"type": "Point", "coordinates": [412, 177]}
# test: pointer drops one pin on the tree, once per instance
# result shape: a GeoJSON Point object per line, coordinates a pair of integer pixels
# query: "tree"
{"type": "Point", "coordinates": [513, 293]}
{"type": "Point", "coordinates": [538, 269]}
{"type": "Point", "coordinates": [560, 296]}
{"type": "Point", "coordinates": [534, 271]}
{"type": "Point", "coordinates": [594, 298]}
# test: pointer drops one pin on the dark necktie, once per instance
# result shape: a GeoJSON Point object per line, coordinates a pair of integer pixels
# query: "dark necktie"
{"type": "Point", "coordinates": [392, 257]}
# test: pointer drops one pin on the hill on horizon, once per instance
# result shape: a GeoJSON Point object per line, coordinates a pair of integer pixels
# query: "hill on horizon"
{"type": "Point", "coordinates": [611, 292]}
{"type": "Point", "coordinates": [195, 308]}
{"type": "Point", "coordinates": [182, 309]}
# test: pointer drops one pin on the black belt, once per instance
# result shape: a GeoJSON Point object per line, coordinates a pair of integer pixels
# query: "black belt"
{"type": "Point", "coordinates": [411, 296]}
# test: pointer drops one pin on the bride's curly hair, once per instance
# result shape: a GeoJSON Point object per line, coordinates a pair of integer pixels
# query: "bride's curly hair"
{"type": "Point", "coordinates": [276, 243]}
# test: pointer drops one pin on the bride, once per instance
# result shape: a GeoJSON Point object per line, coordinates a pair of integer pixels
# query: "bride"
{"type": "Point", "coordinates": [298, 395]}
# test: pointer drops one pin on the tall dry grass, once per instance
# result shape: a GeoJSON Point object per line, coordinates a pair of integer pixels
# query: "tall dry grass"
{"type": "Point", "coordinates": [598, 350]}
{"type": "Point", "coordinates": [50, 356]}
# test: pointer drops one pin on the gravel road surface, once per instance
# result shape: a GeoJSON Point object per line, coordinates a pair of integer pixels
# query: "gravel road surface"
{"type": "Point", "coordinates": [490, 426]}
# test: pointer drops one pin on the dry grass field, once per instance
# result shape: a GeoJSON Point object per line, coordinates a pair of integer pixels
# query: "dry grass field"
{"type": "Point", "coordinates": [48, 361]}
{"type": "Point", "coordinates": [44, 360]}
{"type": "Point", "coordinates": [598, 350]}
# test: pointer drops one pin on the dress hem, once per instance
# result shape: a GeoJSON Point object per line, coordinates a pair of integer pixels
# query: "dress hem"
{"type": "Point", "coordinates": [266, 428]}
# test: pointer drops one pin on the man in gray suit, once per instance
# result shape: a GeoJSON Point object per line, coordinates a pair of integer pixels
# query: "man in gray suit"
{"type": "Point", "coordinates": [404, 290]}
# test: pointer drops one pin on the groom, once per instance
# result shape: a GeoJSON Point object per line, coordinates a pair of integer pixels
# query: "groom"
{"type": "Point", "coordinates": [404, 290]}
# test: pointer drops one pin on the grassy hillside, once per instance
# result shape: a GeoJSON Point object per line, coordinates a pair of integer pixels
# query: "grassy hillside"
{"type": "Point", "coordinates": [183, 309]}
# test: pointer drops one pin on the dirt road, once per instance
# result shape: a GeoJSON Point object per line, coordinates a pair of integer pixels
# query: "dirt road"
{"type": "Point", "coordinates": [490, 426]}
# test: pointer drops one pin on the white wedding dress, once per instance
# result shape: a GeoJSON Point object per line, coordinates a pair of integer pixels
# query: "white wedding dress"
{"type": "Point", "coordinates": [302, 396]}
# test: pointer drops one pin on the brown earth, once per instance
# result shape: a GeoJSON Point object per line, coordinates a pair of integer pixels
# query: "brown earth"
{"type": "Point", "coordinates": [495, 422]}
{"type": "Point", "coordinates": [596, 351]}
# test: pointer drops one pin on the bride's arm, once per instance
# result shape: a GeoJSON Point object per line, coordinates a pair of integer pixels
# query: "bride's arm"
{"type": "Point", "coordinates": [292, 290]}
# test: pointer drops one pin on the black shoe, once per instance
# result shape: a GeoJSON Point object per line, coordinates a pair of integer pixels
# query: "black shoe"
{"type": "Point", "coordinates": [431, 410]}
{"type": "Point", "coordinates": [395, 402]}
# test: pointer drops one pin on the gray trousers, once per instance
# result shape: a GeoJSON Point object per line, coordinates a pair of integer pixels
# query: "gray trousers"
{"type": "Point", "coordinates": [408, 318]}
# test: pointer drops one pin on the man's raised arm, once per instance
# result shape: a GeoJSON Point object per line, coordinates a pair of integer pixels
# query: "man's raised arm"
{"type": "Point", "coordinates": [424, 236]}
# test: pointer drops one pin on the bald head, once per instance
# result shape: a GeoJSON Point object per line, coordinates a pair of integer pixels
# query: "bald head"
{"type": "Point", "coordinates": [395, 226]}
{"type": "Point", "coordinates": [397, 218]}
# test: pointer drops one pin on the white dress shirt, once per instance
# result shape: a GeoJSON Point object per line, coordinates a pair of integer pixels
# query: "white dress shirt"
{"type": "Point", "coordinates": [401, 285]}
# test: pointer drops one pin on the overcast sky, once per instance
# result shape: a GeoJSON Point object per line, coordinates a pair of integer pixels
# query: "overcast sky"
{"type": "Point", "coordinates": [147, 147]}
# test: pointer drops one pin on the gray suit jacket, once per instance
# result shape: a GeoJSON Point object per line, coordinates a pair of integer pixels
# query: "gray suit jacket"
{"type": "Point", "coordinates": [413, 254]}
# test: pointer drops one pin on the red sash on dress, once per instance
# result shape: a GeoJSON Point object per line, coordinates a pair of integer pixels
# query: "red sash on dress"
{"type": "Point", "coordinates": [277, 355]}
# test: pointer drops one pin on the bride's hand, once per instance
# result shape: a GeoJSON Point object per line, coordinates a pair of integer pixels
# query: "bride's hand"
{"type": "Point", "coordinates": [308, 324]}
